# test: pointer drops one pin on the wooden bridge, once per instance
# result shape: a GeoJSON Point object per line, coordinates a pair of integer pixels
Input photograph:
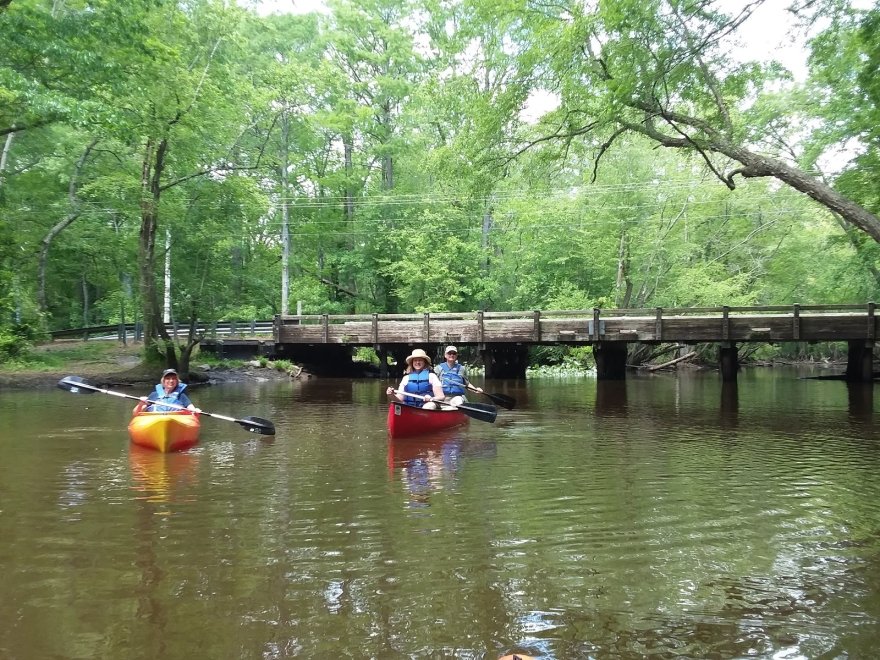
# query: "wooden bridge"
{"type": "Point", "coordinates": [503, 338]}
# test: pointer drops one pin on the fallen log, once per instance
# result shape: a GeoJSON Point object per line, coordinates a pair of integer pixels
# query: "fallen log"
{"type": "Point", "coordinates": [655, 367]}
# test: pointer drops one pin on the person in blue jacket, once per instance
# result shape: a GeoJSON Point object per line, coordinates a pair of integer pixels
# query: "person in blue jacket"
{"type": "Point", "coordinates": [169, 390]}
{"type": "Point", "coordinates": [421, 385]}
{"type": "Point", "coordinates": [453, 378]}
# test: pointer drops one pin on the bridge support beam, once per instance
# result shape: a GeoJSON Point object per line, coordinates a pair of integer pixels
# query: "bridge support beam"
{"type": "Point", "coordinates": [506, 361]}
{"type": "Point", "coordinates": [399, 354]}
{"type": "Point", "coordinates": [860, 361]}
{"type": "Point", "coordinates": [610, 360]}
{"type": "Point", "coordinates": [382, 354]}
{"type": "Point", "coordinates": [728, 360]}
{"type": "Point", "coordinates": [320, 359]}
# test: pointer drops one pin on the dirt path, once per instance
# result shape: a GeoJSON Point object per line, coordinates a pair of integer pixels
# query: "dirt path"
{"type": "Point", "coordinates": [118, 366]}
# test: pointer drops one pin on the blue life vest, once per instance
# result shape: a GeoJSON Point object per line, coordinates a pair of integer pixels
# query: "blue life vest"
{"type": "Point", "coordinates": [159, 397]}
{"type": "Point", "coordinates": [451, 379]}
{"type": "Point", "coordinates": [418, 383]}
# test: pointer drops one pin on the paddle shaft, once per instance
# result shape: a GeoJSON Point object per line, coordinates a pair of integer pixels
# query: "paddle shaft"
{"type": "Point", "coordinates": [477, 411]}
{"type": "Point", "coordinates": [501, 399]}
{"type": "Point", "coordinates": [122, 395]}
{"type": "Point", "coordinates": [253, 424]}
{"type": "Point", "coordinates": [415, 396]}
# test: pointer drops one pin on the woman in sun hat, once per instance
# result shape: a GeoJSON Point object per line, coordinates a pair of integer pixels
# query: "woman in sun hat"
{"type": "Point", "coordinates": [419, 382]}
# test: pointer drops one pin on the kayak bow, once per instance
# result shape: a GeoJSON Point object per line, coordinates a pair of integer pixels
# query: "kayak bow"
{"type": "Point", "coordinates": [164, 432]}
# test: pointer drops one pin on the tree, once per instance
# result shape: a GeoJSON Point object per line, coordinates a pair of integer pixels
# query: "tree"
{"type": "Point", "coordinates": [185, 114]}
{"type": "Point", "coordinates": [663, 69]}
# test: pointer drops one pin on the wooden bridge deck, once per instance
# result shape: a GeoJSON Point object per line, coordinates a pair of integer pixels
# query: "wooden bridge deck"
{"type": "Point", "coordinates": [685, 325]}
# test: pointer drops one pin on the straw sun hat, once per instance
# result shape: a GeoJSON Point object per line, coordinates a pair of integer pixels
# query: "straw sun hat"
{"type": "Point", "coordinates": [418, 353]}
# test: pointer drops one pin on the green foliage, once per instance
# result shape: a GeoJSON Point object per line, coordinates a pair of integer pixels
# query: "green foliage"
{"type": "Point", "coordinates": [13, 346]}
{"type": "Point", "coordinates": [412, 178]}
{"type": "Point", "coordinates": [366, 354]}
{"type": "Point", "coordinates": [436, 269]}
{"type": "Point", "coordinates": [283, 365]}
{"type": "Point", "coordinates": [564, 358]}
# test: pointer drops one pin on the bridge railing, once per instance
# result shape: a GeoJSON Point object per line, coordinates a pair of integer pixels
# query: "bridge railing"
{"type": "Point", "coordinates": [783, 322]}
{"type": "Point", "coordinates": [767, 323]}
{"type": "Point", "coordinates": [134, 331]}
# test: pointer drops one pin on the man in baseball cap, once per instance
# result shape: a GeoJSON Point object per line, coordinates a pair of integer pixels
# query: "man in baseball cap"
{"type": "Point", "coordinates": [453, 377]}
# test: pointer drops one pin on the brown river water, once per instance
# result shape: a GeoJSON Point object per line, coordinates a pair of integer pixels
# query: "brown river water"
{"type": "Point", "coordinates": [664, 517]}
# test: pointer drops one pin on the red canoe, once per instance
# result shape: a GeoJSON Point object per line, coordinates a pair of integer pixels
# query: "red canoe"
{"type": "Point", "coordinates": [164, 431]}
{"type": "Point", "coordinates": [406, 420]}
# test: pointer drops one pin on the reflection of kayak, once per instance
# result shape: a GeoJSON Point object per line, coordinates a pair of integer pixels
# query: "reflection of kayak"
{"type": "Point", "coordinates": [407, 420]}
{"type": "Point", "coordinates": [164, 431]}
{"type": "Point", "coordinates": [159, 477]}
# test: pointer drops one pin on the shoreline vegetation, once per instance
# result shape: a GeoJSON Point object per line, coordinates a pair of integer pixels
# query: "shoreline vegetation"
{"type": "Point", "coordinates": [112, 364]}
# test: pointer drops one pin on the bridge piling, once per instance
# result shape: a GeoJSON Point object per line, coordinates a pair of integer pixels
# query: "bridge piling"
{"type": "Point", "coordinates": [860, 361]}
{"type": "Point", "coordinates": [610, 360]}
{"type": "Point", "coordinates": [728, 359]}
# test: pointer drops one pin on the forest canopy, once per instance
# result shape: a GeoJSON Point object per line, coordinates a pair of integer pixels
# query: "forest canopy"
{"type": "Point", "coordinates": [199, 160]}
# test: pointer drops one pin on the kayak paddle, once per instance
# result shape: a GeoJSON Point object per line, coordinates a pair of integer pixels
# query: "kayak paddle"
{"type": "Point", "coordinates": [77, 385]}
{"type": "Point", "coordinates": [501, 399]}
{"type": "Point", "coordinates": [481, 411]}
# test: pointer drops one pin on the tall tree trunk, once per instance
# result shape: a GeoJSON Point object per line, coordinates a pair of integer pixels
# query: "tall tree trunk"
{"type": "Point", "coordinates": [73, 214]}
{"type": "Point", "coordinates": [85, 300]}
{"type": "Point", "coordinates": [166, 298]}
{"type": "Point", "coordinates": [387, 159]}
{"type": "Point", "coordinates": [285, 214]}
{"type": "Point", "coordinates": [623, 286]}
{"type": "Point", "coordinates": [151, 191]}
{"type": "Point", "coordinates": [4, 155]}
{"type": "Point", "coordinates": [484, 240]}
{"type": "Point", "coordinates": [348, 155]}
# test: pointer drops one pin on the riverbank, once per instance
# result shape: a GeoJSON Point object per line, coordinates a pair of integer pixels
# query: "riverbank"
{"type": "Point", "coordinates": [111, 364]}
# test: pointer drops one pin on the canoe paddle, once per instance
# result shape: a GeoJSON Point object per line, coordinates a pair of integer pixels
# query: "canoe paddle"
{"type": "Point", "coordinates": [77, 385]}
{"type": "Point", "coordinates": [481, 411]}
{"type": "Point", "coordinates": [501, 399]}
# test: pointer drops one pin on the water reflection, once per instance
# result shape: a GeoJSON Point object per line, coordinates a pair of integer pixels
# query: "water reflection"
{"type": "Point", "coordinates": [159, 477]}
{"type": "Point", "coordinates": [860, 397]}
{"type": "Point", "coordinates": [619, 519]}
{"type": "Point", "coordinates": [611, 398]}
{"type": "Point", "coordinates": [426, 464]}
{"type": "Point", "coordinates": [433, 463]}
{"type": "Point", "coordinates": [729, 411]}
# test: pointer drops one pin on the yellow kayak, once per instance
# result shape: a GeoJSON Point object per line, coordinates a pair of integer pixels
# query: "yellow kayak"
{"type": "Point", "coordinates": [165, 431]}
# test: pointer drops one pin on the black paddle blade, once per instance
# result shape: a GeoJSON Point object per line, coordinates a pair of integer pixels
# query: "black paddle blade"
{"type": "Point", "coordinates": [485, 407]}
{"type": "Point", "coordinates": [257, 425]}
{"type": "Point", "coordinates": [502, 400]}
{"type": "Point", "coordinates": [74, 384]}
{"type": "Point", "coordinates": [480, 411]}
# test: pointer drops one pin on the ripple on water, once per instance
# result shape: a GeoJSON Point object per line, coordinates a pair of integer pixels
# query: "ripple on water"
{"type": "Point", "coordinates": [661, 518]}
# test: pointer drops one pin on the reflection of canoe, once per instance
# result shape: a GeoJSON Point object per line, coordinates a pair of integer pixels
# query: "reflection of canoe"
{"type": "Point", "coordinates": [401, 451]}
{"type": "Point", "coordinates": [407, 420]}
{"type": "Point", "coordinates": [164, 431]}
